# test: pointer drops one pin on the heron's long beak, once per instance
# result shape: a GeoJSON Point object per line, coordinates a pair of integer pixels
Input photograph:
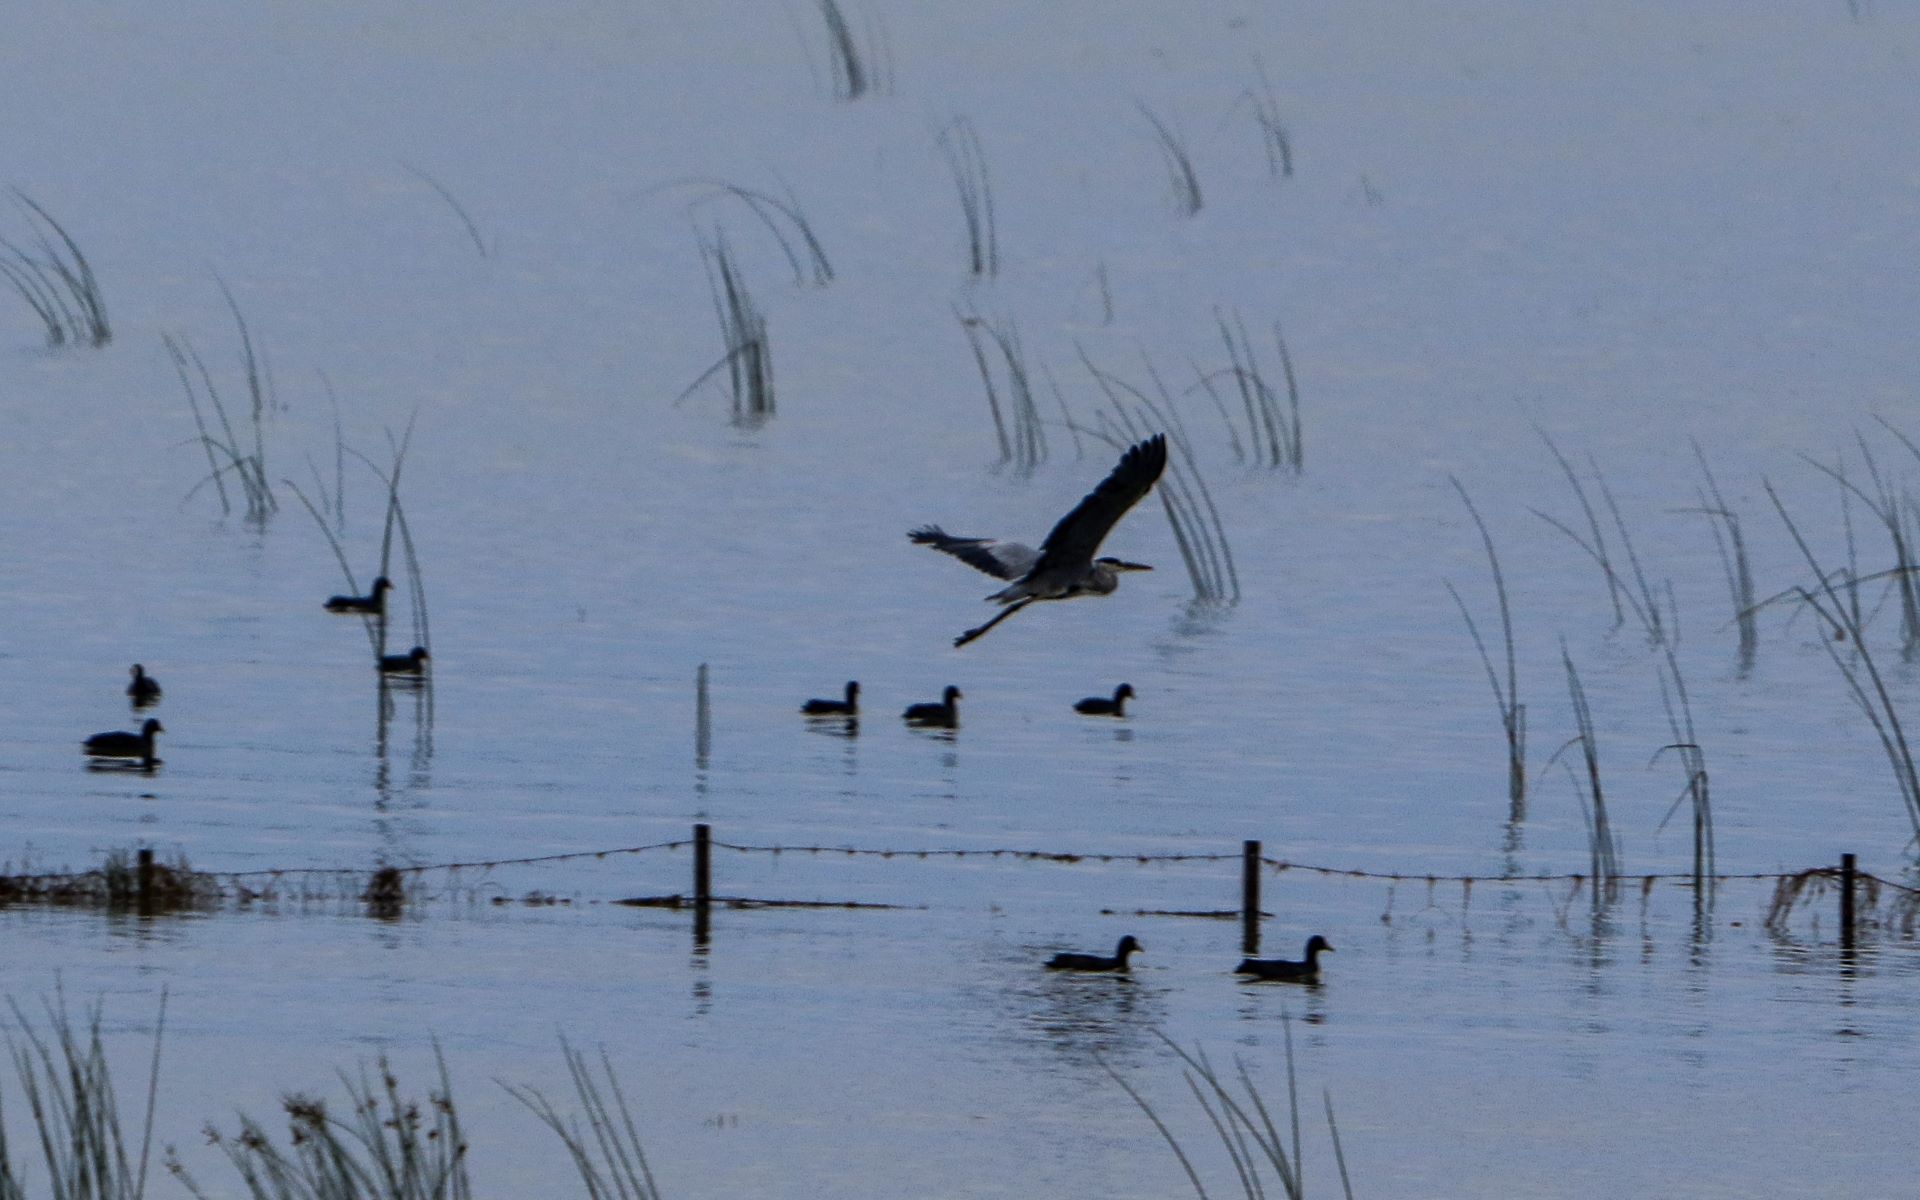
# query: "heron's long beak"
{"type": "Point", "coordinates": [1120, 565]}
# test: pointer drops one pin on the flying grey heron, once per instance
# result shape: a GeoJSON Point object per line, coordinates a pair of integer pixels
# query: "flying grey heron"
{"type": "Point", "coordinates": [121, 744]}
{"type": "Point", "coordinates": [373, 603]}
{"type": "Point", "coordinates": [1284, 970]}
{"type": "Point", "coordinates": [1064, 566]}
{"type": "Point", "coordinates": [144, 689]}
{"type": "Point", "coordinates": [850, 707]}
{"type": "Point", "coordinates": [945, 714]}
{"type": "Point", "coordinates": [1100, 706]}
{"type": "Point", "coordinates": [1071, 961]}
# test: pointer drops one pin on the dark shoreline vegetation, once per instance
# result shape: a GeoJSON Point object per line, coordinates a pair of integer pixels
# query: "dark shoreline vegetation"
{"type": "Point", "coordinates": [384, 1144]}
{"type": "Point", "coordinates": [136, 883]}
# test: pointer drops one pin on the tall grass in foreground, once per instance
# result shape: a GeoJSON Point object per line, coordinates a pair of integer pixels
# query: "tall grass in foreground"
{"type": "Point", "coordinates": [68, 1088]}
{"type": "Point", "coordinates": [385, 1147]}
{"type": "Point", "coordinates": [959, 144]}
{"type": "Point", "coordinates": [55, 280]}
{"type": "Point", "coordinates": [228, 456]}
{"type": "Point", "coordinates": [1513, 714]}
{"type": "Point", "coordinates": [1251, 1142]}
{"type": "Point", "coordinates": [607, 1152]}
{"type": "Point", "coordinates": [748, 359]}
{"type": "Point", "coordinates": [1017, 427]}
{"type": "Point", "coordinates": [1180, 173]}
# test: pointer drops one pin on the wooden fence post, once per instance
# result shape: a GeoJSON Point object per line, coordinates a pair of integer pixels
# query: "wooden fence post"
{"type": "Point", "coordinates": [702, 865]}
{"type": "Point", "coordinates": [1250, 897]}
{"type": "Point", "coordinates": [1847, 873]}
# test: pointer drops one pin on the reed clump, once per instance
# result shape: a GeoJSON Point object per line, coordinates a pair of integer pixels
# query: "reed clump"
{"type": "Point", "coordinates": [229, 456]}
{"type": "Point", "coordinates": [68, 1088]}
{"type": "Point", "coordinates": [1185, 183]}
{"type": "Point", "coordinates": [54, 279]}
{"type": "Point", "coordinates": [386, 1146]}
{"type": "Point", "coordinates": [1194, 518]}
{"type": "Point", "coordinates": [960, 145]}
{"type": "Point", "coordinates": [1252, 1143]}
{"type": "Point", "coordinates": [783, 220]}
{"type": "Point", "coordinates": [1017, 426]}
{"type": "Point", "coordinates": [748, 359]}
{"type": "Point", "coordinates": [1506, 694]}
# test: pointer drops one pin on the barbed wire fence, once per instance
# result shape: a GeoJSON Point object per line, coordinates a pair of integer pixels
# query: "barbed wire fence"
{"type": "Point", "coordinates": [141, 882]}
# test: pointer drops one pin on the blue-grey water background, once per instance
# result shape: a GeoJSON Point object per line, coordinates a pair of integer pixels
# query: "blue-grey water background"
{"type": "Point", "coordinates": [1629, 226]}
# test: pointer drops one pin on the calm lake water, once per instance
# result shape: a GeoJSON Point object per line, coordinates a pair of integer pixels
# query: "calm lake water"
{"type": "Point", "coordinates": [1632, 228]}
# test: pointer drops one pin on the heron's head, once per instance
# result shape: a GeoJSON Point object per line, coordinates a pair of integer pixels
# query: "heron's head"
{"type": "Point", "coordinates": [1121, 564]}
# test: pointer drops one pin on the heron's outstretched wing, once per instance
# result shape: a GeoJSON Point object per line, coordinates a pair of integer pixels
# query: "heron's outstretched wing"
{"type": "Point", "coordinates": [1002, 560]}
{"type": "Point", "coordinates": [1078, 535]}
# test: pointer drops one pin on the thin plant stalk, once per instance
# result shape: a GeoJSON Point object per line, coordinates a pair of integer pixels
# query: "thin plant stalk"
{"type": "Point", "coordinates": [1513, 714]}
{"type": "Point", "coordinates": [453, 202]}
{"type": "Point", "coordinates": [1186, 185]}
{"type": "Point", "coordinates": [959, 143]}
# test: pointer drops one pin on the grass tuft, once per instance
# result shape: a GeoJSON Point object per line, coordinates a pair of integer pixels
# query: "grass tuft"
{"type": "Point", "coordinates": [607, 1152]}
{"type": "Point", "coordinates": [959, 143]}
{"type": "Point", "coordinates": [1253, 1145]}
{"type": "Point", "coordinates": [1513, 714]}
{"type": "Point", "coordinates": [1017, 427]}
{"type": "Point", "coordinates": [227, 455]}
{"type": "Point", "coordinates": [1173, 150]}
{"type": "Point", "coordinates": [386, 1147]}
{"type": "Point", "coordinates": [748, 360]}
{"type": "Point", "coordinates": [55, 280]}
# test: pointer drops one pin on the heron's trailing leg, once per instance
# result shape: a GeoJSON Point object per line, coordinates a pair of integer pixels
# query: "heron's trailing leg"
{"type": "Point", "coordinates": [1002, 615]}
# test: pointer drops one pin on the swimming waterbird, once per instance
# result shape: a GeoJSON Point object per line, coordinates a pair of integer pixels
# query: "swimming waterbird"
{"type": "Point", "coordinates": [144, 689]}
{"type": "Point", "coordinates": [1285, 970]}
{"type": "Point", "coordinates": [374, 603]}
{"type": "Point", "coordinates": [850, 707]}
{"type": "Point", "coordinates": [413, 662]}
{"type": "Point", "coordinates": [945, 713]}
{"type": "Point", "coordinates": [121, 744]}
{"type": "Point", "coordinates": [1064, 566]}
{"type": "Point", "coordinates": [1100, 706]}
{"type": "Point", "coordinates": [1071, 961]}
